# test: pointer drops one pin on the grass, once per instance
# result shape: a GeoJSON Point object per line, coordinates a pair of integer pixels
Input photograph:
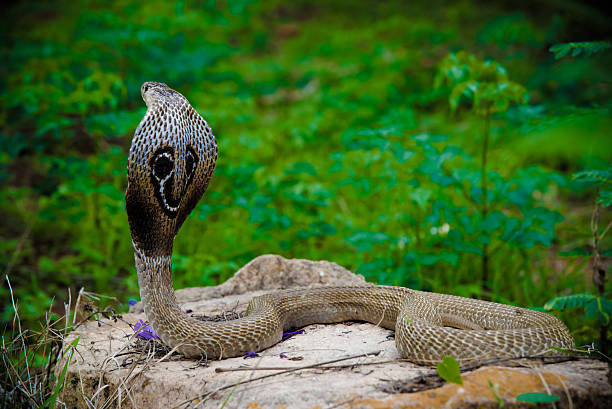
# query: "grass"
{"type": "Point", "coordinates": [29, 359]}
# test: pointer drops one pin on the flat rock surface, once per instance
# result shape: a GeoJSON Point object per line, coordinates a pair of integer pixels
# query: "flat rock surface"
{"type": "Point", "coordinates": [112, 368]}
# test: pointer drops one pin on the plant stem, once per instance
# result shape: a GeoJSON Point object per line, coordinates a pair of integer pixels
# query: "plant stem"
{"type": "Point", "coordinates": [599, 273]}
{"type": "Point", "coordinates": [484, 210]}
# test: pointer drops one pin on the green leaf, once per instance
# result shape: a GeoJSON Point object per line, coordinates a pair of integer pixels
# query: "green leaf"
{"type": "Point", "coordinates": [576, 49]}
{"type": "Point", "coordinates": [468, 290]}
{"type": "Point", "coordinates": [576, 251]}
{"type": "Point", "coordinates": [566, 302]}
{"type": "Point", "coordinates": [566, 350]}
{"type": "Point", "coordinates": [429, 259]}
{"type": "Point", "coordinates": [605, 197]}
{"type": "Point", "coordinates": [592, 309]}
{"type": "Point", "coordinates": [420, 196]}
{"type": "Point", "coordinates": [599, 307]}
{"type": "Point", "coordinates": [596, 177]}
{"type": "Point", "coordinates": [364, 241]}
{"type": "Point", "coordinates": [301, 168]}
{"type": "Point", "coordinates": [449, 370]}
{"type": "Point", "coordinates": [495, 390]}
{"type": "Point", "coordinates": [401, 154]}
{"type": "Point", "coordinates": [605, 308]}
{"type": "Point", "coordinates": [459, 90]}
{"type": "Point", "coordinates": [537, 397]}
{"type": "Point", "coordinates": [483, 83]}
{"type": "Point", "coordinates": [494, 220]}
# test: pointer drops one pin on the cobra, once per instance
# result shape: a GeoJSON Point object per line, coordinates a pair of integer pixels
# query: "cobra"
{"type": "Point", "coordinates": [171, 162]}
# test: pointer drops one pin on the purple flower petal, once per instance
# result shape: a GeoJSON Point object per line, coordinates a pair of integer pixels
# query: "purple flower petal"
{"type": "Point", "coordinates": [132, 301]}
{"type": "Point", "coordinates": [288, 335]}
{"type": "Point", "coordinates": [283, 356]}
{"type": "Point", "coordinates": [250, 355]}
{"type": "Point", "coordinates": [144, 330]}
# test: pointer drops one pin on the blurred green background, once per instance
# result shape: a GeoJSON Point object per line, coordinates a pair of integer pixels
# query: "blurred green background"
{"type": "Point", "coordinates": [348, 131]}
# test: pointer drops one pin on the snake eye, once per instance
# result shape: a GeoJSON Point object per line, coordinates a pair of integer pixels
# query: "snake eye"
{"type": "Point", "coordinates": [163, 165]}
{"type": "Point", "coordinates": [146, 88]}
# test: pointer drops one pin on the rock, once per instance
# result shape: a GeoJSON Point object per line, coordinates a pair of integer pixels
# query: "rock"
{"type": "Point", "coordinates": [113, 368]}
{"type": "Point", "coordinates": [266, 273]}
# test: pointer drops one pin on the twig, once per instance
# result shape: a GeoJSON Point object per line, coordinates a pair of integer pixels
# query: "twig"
{"type": "Point", "coordinates": [346, 402]}
{"type": "Point", "coordinates": [599, 273]}
{"type": "Point", "coordinates": [603, 233]}
{"type": "Point", "coordinates": [231, 385]}
{"type": "Point", "coordinates": [76, 306]}
{"type": "Point", "coordinates": [297, 368]}
{"type": "Point", "coordinates": [283, 368]}
{"type": "Point", "coordinates": [546, 387]}
{"type": "Point", "coordinates": [67, 311]}
{"type": "Point", "coordinates": [131, 375]}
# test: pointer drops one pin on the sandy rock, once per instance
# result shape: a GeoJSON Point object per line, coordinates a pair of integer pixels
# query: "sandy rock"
{"type": "Point", "coordinates": [112, 369]}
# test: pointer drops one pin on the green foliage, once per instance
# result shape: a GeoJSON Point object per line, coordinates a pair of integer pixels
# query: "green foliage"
{"type": "Point", "coordinates": [576, 49]}
{"type": "Point", "coordinates": [537, 397]}
{"type": "Point", "coordinates": [569, 301]}
{"type": "Point", "coordinates": [508, 30]}
{"type": "Point", "coordinates": [594, 306]}
{"type": "Point", "coordinates": [28, 357]}
{"type": "Point", "coordinates": [484, 83]}
{"type": "Point", "coordinates": [448, 369]}
{"type": "Point", "coordinates": [600, 179]}
{"type": "Point", "coordinates": [597, 308]}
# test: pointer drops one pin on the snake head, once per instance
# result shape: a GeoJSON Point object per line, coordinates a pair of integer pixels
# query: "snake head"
{"type": "Point", "coordinates": [158, 93]}
{"type": "Point", "coordinates": [171, 161]}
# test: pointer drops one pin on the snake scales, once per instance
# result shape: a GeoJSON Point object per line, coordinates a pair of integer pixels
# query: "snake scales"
{"type": "Point", "coordinates": [171, 162]}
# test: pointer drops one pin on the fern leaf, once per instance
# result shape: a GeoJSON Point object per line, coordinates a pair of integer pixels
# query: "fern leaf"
{"type": "Point", "coordinates": [566, 302]}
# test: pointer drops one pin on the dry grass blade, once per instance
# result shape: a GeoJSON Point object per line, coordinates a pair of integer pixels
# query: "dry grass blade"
{"type": "Point", "coordinates": [29, 373]}
{"type": "Point", "coordinates": [28, 360]}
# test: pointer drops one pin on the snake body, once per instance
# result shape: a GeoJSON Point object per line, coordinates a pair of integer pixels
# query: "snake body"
{"type": "Point", "coordinates": [171, 161]}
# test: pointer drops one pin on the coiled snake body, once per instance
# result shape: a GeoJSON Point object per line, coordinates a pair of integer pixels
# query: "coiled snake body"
{"type": "Point", "coordinates": [171, 161]}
